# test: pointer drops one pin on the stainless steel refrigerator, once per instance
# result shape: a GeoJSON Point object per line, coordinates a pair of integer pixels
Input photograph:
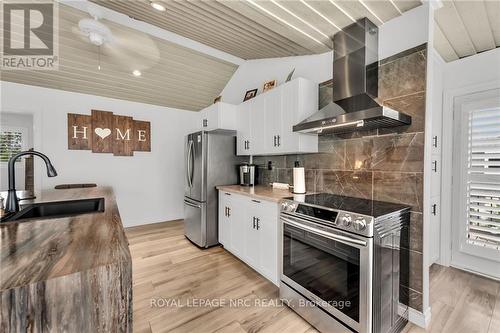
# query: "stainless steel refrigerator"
{"type": "Point", "coordinates": [210, 161]}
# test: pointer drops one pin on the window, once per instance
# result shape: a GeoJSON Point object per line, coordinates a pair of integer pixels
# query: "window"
{"type": "Point", "coordinates": [11, 142]}
{"type": "Point", "coordinates": [483, 178]}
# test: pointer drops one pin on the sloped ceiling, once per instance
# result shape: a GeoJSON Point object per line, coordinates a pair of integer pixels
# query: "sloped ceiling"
{"type": "Point", "coordinates": [464, 28]}
{"type": "Point", "coordinates": [172, 75]}
{"type": "Point", "coordinates": [253, 29]}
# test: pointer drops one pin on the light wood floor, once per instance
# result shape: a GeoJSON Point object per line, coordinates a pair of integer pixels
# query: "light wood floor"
{"type": "Point", "coordinates": [167, 267]}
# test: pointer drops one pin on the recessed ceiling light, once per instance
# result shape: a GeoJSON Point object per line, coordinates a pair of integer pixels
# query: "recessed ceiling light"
{"type": "Point", "coordinates": [137, 72]}
{"type": "Point", "coordinates": [158, 6]}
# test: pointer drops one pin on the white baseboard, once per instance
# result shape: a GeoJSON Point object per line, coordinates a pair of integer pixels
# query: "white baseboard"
{"type": "Point", "coordinates": [418, 318]}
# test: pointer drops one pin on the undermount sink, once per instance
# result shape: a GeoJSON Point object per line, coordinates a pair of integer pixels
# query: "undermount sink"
{"type": "Point", "coordinates": [56, 209]}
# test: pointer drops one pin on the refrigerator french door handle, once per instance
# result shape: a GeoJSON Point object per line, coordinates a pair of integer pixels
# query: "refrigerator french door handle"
{"type": "Point", "coordinates": [191, 164]}
{"type": "Point", "coordinates": [188, 162]}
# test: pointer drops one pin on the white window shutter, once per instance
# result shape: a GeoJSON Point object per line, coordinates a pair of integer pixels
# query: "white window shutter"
{"type": "Point", "coordinates": [483, 178]}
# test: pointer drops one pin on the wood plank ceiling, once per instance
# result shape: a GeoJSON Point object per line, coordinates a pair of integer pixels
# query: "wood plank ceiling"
{"type": "Point", "coordinates": [172, 75]}
{"type": "Point", "coordinates": [464, 28]}
{"type": "Point", "coordinates": [253, 29]}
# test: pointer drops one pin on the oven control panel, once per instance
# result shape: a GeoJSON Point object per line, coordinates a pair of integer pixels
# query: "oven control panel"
{"type": "Point", "coordinates": [348, 221]}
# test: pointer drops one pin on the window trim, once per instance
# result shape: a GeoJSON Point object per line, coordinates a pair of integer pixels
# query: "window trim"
{"type": "Point", "coordinates": [24, 137]}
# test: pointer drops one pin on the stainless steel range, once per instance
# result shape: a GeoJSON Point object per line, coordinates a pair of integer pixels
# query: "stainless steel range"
{"type": "Point", "coordinates": [341, 262]}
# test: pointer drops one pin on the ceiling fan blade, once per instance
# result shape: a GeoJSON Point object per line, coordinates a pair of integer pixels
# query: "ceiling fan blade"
{"type": "Point", "coordinates": [132, 50]}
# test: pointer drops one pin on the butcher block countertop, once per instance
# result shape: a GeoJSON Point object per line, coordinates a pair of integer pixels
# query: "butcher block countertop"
{"type": "Point", "coordinates": [258, 192]}
{"type": "Point", "coordinates": [67, 274]}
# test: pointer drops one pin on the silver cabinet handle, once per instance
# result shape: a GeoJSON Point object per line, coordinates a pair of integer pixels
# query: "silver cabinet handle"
{"type": "Point", "coordinates": [258, 223]}
{"type": "Point", "coordinates": [205, 122]}
{"type": "Point", "coordinates": [275, 140]}
{"type": "Point", "coordinates": [228, 211]}
{"type": "Point", "coordinates": [435, 141]}
{"type": "Point", "coordinates": [434, 166]}
{"type": "Point", "coordinates": [434, 209]}
{"type": "Point", "coordinates": [257, 201]}
{"type": "Point", "coordinates": [254, 222]}
{"type": "Point", "coordinates": [279, 139]}
{"type": "Point", "coordinates": [225, 193]}
{"type": "Point", "coordinates": [329, 235]}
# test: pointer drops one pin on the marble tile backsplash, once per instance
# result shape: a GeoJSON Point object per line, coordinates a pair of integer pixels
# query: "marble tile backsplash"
{"type": "Point", "coordinates": [383, 164]}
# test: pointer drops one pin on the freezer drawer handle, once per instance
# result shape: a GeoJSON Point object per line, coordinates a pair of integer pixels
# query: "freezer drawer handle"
{"type": "Point", "coordinates": [191, 204]}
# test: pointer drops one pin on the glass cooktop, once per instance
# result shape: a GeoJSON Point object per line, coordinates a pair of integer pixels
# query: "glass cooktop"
{"type": "Point", "coordinates": [350, 204]}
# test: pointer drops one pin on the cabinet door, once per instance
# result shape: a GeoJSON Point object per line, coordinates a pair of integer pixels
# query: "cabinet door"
{"type": "Point", "coordinates": [257, 126]}
{"type": "Point", "coordinates": [273, 116]}
{"type": "Point", "coordinates": [290, 105]}
{"type": "Point", "coordinates": [243, 135]}
{"type": "Point", "coordinates": [225, 210]}
{"type": "Point", "coordinates": [238, 219]}
{"type": "Point", "coordinates": [252, 248]}
{"type": "Point", "coordinates": [269, 241]}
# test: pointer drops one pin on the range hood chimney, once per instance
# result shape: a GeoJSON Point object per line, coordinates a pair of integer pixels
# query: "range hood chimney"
{"type": "Point", "coordinates": [355, 86]}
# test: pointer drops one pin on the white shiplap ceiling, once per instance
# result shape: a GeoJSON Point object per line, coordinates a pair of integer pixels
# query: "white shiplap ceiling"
{"type": "Point", "coordinates": [463, 28]}
{"type": "Point", "coordinates": [172, 75]}
{"type": "Point", "coordinates": [253, 29]}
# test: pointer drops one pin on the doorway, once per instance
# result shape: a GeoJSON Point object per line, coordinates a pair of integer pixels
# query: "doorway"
{"type": "Point", "coordinates": [475, 225]}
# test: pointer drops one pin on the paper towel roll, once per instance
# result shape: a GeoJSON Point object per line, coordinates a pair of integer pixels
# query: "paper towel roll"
{"type": "Point", "coordinates": [299, 181]}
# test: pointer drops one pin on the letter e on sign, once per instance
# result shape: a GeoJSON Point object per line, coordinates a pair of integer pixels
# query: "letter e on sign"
{"type": "Point", "coordinates": [142, 133]}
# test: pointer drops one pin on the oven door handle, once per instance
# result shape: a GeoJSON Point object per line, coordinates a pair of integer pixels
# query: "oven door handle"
{"type": "Point", "coordinates": [329, 235]}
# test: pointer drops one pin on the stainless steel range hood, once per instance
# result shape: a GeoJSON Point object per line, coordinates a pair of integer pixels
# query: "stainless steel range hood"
{"type": "Point", "coordinates": [355, 86]}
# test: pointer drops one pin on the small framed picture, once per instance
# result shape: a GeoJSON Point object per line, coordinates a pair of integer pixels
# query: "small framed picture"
{"type": "Point", "coordinates": [269, 85]}
{"type": "Point", "coordinates": [250, 94]}
{"type": "Point", "coordinates": [217, 99]}
{"type": "Point", "coordinates": [289, 77]}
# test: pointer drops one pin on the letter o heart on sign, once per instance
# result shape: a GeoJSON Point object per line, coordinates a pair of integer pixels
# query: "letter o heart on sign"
{"type": "Point", "coordinates": [102, 132]}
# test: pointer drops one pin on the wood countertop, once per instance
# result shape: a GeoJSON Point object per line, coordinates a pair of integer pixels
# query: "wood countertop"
{"type": "Point", "coordinates": [42, 249]}
{"type": "Point", "coordinates": [259, 192]}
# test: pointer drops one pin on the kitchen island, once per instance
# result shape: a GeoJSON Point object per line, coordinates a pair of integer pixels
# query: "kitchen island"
{"type": "Point", "coordinates": [66, 274]}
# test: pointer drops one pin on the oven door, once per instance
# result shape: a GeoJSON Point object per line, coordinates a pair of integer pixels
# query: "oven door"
{"type": "Point", "coordinates": [331, 268]}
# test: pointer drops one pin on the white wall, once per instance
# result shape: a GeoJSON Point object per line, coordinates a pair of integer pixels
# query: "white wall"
{"type": "Point", "coordinates": [253, 73]}
{"type": "Point", "coordinates": [479, 68]}
{"type": "Point", "coordinates": [149, 186]}
{"type": "Point", "coordinates": [396, 35]}
{"type": "Point", "coordinates": [461, 77]}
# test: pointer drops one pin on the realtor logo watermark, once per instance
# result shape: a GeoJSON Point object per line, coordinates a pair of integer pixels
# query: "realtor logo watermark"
{"type": "Point", "coordinates": [30, 35]}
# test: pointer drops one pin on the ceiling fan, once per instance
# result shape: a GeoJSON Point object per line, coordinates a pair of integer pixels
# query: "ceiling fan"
{"type": "Point", "coordinates": [129, 49]}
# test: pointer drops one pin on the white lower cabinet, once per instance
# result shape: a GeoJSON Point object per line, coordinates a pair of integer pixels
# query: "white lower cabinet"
{"type": "Point", "coordinates": [249, 230]}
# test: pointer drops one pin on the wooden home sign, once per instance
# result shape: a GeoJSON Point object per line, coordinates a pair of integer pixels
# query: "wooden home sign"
{"type": "Point", "coordinates": [104, 132]}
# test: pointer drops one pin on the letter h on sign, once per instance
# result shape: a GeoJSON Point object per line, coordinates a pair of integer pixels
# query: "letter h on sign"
{"type": "Point", "coordinates": [104, 132]}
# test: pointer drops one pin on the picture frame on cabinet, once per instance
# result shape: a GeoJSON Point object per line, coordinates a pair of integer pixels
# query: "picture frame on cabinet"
{"type": "Point", "coordinates": [250, 94]}
{"type": "Point", "coordinates": [217, 99]}
{"type": "Point", "coordinates": [268, 85]}
{"type": "Point", "coordinates": [289, 77]}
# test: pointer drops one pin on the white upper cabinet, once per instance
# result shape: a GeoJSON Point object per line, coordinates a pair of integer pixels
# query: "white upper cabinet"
{"type": "Point", "coordinates": [265, 122]}
{"type": "Point", "coordinates": [299, 101]}
{"type": "Point", "coordinates": [219, 116]}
